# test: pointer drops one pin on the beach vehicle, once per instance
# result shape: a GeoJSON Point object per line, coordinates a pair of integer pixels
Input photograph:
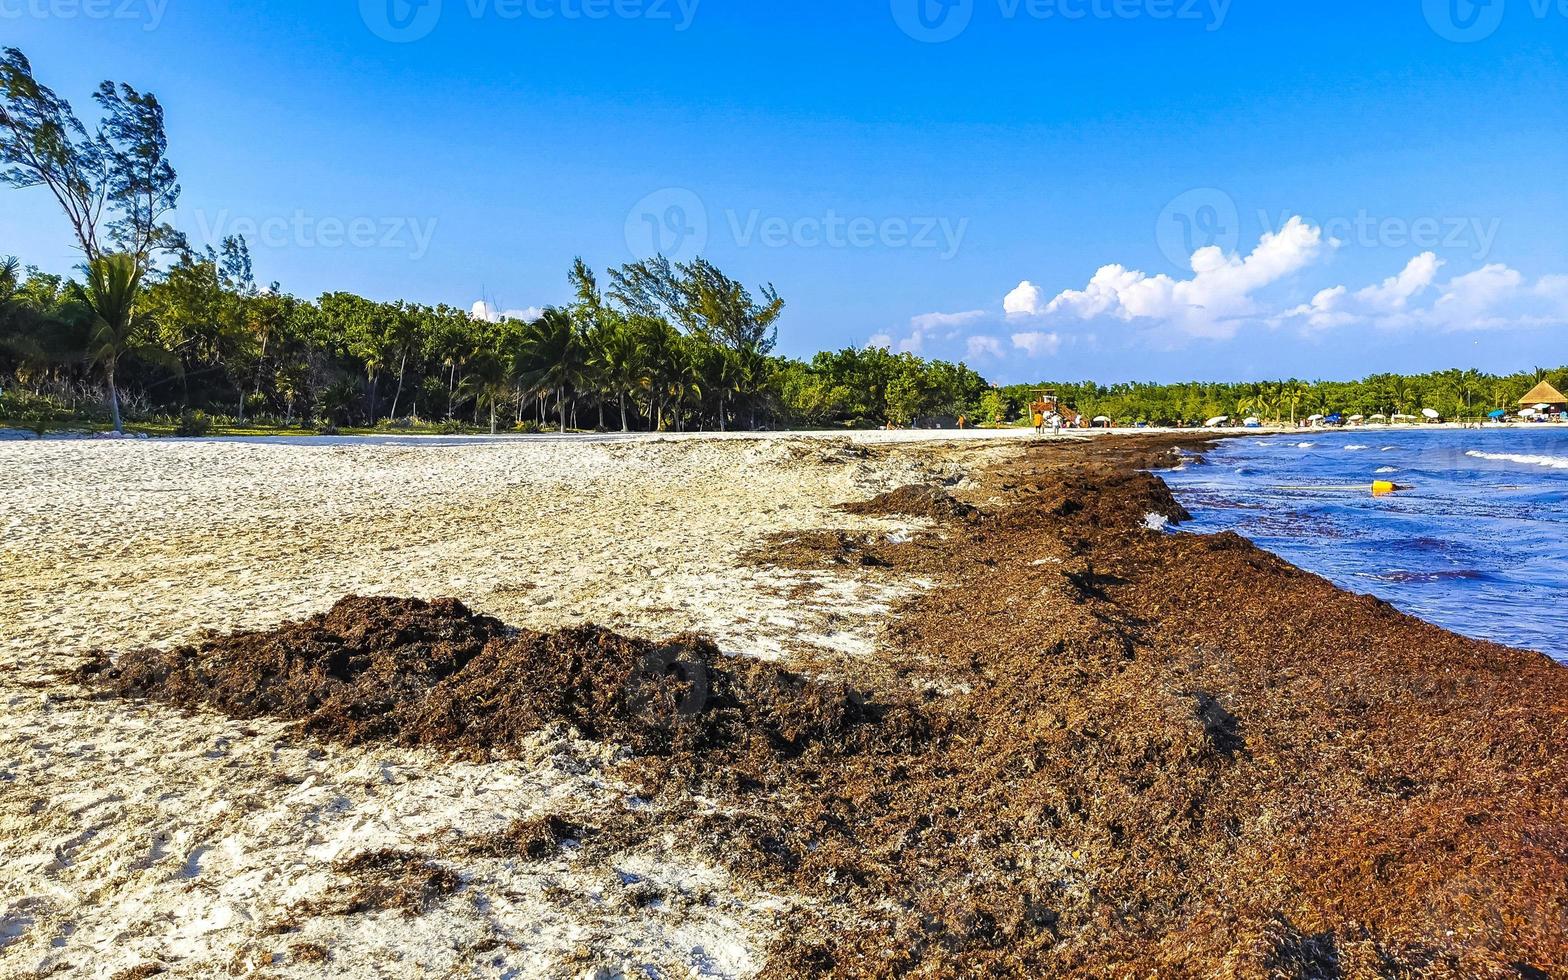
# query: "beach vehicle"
{"type": "Point", "coordinates": [1253, 423]}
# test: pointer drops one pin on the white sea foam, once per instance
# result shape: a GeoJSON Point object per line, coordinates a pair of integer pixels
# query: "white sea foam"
{"type": "Point", "coordinates": [1305, 445]}
{"type": "Point", "coordinates": [1551, 462]}
{"type": "Point", "coordinates": [1352, 449]}
{"type": "Point", "coordinates": [1389, 469]}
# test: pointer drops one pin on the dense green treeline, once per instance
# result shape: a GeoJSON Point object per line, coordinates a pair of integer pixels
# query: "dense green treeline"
{"type": "Point", "coordinates": [1455, 394]}
{"type": "Point", "coordinates": [666, 347]}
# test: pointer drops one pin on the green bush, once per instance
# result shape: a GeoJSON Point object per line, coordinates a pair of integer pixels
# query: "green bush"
{"type": "Point", "coordinates": [193, 425]}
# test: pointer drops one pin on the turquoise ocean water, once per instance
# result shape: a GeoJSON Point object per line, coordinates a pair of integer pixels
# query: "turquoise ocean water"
{"type": "Point", "coordinates": [1478, 544]}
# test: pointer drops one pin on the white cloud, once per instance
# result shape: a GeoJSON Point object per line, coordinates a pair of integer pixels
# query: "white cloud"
{"type": "Point", "coordinates": [1023, 301]}
{"type": "Point", "coordinates": [982, 345]}
{"type": "Point", "coordinates": [1555, 290]}
{"type": "Point", "coordinates": [927, 322]}
{"type": "Point", "coordinates": [1397, 291]}
{"type": "Point", "coordinates": [1037, 343]}
{"type": "Point", "coordinates": [1220, 293]}
{"type": "Point", "coordinates": [1478, 299]}
{"type": "Point", "coordinates": [925, 326]}
{"type": "Point", "coordinates": [1226, 291]}
{"type": "Point", "coordinates": [1492, 297]}
{"type": "Point", "coordinates": [482, 310]}
{"type": "Point", "coordinates": [882, 340]}
{"type": "Point", "coordinates": [1338, 306]}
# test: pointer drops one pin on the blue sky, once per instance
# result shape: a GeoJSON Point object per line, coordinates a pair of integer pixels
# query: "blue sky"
{"type": "Point", "coordinates": [1027, 194]}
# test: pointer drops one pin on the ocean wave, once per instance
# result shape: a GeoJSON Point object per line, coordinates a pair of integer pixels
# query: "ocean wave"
{"type": "Point", "coordinates": [1551, 462]}
{"type": "Point", "coordinates": [1305, 445]}
{"type": "Point", "coordinates": [1389, 469]}
{"type": "Point", "coordinates": [1352, 449]}
{"type": "Point", "coordinates": [1417, 578]}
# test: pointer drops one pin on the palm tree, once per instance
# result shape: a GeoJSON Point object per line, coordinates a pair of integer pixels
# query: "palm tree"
{"type": "Point", "coordinates": [553, 355]}
{"type": "Point", "coordinates": [619, 360]}
{"type": "Point", "coordinates": [10, 278]}
{"type": "Point", "coordinates": [1295, 392]}
{"type": "Point", "coordinates": [113, 286]}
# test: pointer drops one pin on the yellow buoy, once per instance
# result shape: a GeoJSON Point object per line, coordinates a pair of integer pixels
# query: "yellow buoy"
{"type": "Point", "coordinates": [1382, 488]}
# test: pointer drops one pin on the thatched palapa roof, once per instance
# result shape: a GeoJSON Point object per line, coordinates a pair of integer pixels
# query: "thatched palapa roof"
{"type": "Point", "coordinates": [1543, 394]}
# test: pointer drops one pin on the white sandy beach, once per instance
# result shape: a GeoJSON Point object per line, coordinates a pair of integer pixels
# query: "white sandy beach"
{"type": "Point", "coordinates": [136, 835]}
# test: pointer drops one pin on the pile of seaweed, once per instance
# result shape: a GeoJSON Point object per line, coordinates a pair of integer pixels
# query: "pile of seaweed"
{"type": "Point", "coordinates": [1158, 754]}
{"type": "Point", "coordinates": [1181, 756]}
{"type": "Point", "coordinates": [434, 674]}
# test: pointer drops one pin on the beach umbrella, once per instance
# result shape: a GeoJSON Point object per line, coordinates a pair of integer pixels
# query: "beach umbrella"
{"type": "Point", "coordinates": [1499, 414]}
{"type": "Point", "coordinates": [1217, 420]}
{"type": "Point", "coordinates": [1358, 418]}
{"type": "Point", "coordinates": [1543, 408]}
{"type": "Point", "coordinates": [1528, 413]}
{"type": "Point", "coordinates": [1336, 418]}
{"type": "Point", "coordinates": [1380, 417]}
{"type": "Point", "coordinates": [1314, 418]}
{"type": "Point", "coordinates": [1431, 414]}
{"type": "Point", "coordinates": [1102, 418]}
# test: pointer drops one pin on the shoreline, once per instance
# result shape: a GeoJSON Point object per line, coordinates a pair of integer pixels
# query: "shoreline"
{"type": "Point", "coordinates": [1122, 751]}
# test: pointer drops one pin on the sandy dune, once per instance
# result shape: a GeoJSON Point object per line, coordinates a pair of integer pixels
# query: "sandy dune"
{"type": "Point", "coordinates": [136, 835]}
